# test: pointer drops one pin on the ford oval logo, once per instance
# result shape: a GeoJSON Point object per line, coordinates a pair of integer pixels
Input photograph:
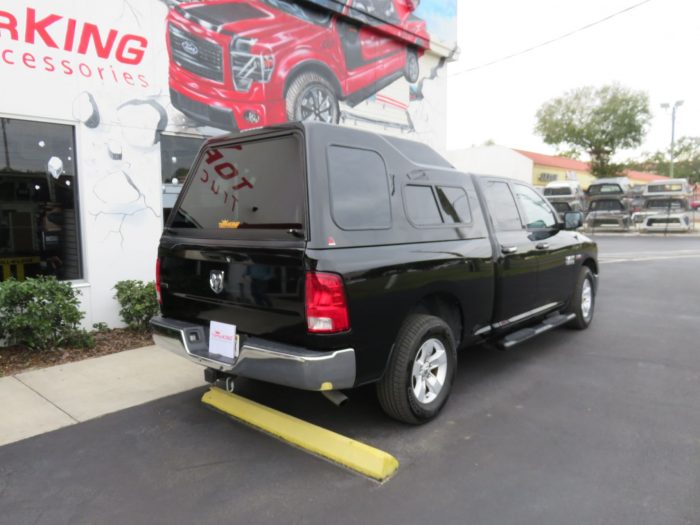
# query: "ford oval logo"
{"type": "Point", "coordinates": [216, 281]}
{"type": "Point", "coordinates": [190, 47]}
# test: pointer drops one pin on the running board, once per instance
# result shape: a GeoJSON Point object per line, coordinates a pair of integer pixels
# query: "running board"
{"type": "Point", "coordinates": [528, 333]}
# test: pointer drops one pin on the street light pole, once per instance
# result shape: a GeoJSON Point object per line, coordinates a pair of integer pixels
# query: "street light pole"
{"type": "Point", "coordinates": [665, 105]}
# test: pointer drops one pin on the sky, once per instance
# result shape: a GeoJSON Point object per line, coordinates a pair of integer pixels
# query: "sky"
{"type": "Point", "coordinates": [653, 48]}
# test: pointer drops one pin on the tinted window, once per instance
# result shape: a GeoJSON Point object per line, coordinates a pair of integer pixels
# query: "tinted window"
{"type": "Point", "coordinates": [177, 154]}
{"type": "Point", "coordinates": [454, 204]}
{"type": "Point", "coordinates": [599, 189]}
{"type": "Point", "coordinates": [538, 214]}
{"type": "Point", "coordinates": [607, 205]}
{"type": "Point", "coordinates": [660, 188]}
{"type": "Point", "coordinates": [561, 207]}
{"type": "Point", "coordinates": [359, 189]}
{"type": "Point", "coordinates": [558, 191]}
{"type": "Point", "coordinates": [666, 204]}
{"type": "Point", "coordinates": [421, 206]}
{"type": "Point", "coordinates": [39, 233]}
{"type": "Point", "coordinates": [504, 211]}
{"type": "Point", "coordinates": [255, 184]}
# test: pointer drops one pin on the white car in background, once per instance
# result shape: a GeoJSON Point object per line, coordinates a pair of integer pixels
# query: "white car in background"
{"type": "Point", "coordinates": [666, 207]}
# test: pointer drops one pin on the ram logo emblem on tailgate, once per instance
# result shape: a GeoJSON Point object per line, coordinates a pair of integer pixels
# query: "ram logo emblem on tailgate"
{"type": "Point", "coordinates": [216, 281]}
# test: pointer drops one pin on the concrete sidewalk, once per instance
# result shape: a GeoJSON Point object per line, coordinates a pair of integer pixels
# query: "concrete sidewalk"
{"type": "Point", "coordinates": [43, 400]}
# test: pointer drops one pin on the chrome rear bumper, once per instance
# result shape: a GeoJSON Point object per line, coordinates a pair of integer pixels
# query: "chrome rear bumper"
{"type": "Point", "coordinates": [259, 358]}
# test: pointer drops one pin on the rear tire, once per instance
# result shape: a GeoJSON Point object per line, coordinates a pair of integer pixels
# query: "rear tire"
{"type": "Point", "coordinates": [420, 373]}
{"type": "Point", "coordinates": [583, 301]}
{"type": "Point", "coordinates": [412, 69]}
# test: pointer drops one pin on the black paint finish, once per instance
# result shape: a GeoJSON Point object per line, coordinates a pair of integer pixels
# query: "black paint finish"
{"type": "Point", "coordinates": [455, 271]}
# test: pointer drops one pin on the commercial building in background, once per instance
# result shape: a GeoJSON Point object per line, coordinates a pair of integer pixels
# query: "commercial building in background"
{"type": "Point", "coordinates": [104, 105]}
{"type": "Point", "coordinates": [535, 168]}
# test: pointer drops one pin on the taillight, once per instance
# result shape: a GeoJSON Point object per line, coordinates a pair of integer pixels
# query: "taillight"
{"type": "Point", "coordinates": [158, 295]}
{"type": "Point", "coordinates": [326, 306]}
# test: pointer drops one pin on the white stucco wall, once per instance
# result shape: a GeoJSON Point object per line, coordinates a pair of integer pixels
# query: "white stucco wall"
{"type": "Point", "coordinates": [492, 160]}
{"type": "Point", "coordinates": [46, 78]}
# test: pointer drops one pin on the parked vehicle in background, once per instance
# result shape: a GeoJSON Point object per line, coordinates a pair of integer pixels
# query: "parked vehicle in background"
{"type": "Point", "coordinates": [565, 196]}
{"type": "Point", "coordinates": [666, 207]}
{"type": "Point", "coordinates": [324, 257]}
{"type": "Point", "coordinates": [618, 187]}
{"type": "Point", "coordinates": [608, 213]}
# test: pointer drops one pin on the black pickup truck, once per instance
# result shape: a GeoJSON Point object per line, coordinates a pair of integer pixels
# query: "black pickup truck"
{"type": "Point", "coordinates": [323, 258]}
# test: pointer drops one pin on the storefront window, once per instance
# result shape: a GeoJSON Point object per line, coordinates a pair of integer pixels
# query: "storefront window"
{"type": "Point", "coordinates": [177, 156]}
{"type": "Point", "coordinates": [39, 226]}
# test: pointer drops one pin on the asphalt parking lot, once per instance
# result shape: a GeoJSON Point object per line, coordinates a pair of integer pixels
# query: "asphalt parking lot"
{"type": "Point", "coordinates": [600, 426]}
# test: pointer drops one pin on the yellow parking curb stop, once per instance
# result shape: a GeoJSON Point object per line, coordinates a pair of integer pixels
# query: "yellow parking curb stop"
{"type": "Point", "coordinates": [347, 452]}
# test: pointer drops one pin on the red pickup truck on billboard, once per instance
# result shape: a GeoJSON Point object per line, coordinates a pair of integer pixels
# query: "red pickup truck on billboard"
{"type": "Point", "coordinates": [238, 64]}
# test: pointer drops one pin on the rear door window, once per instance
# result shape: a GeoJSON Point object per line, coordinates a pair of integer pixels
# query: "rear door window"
{"type": "Point", "coordinates": [359, 189]}
{"type": "Point", "coordinates": [243, 186]}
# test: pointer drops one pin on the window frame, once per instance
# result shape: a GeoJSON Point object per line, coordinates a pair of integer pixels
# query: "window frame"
{"type": "Point", "coordinates": [82, 280]}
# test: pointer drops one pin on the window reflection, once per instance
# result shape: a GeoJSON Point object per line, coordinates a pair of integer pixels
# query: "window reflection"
{"type": "Point", "coordinates": [38, 195]}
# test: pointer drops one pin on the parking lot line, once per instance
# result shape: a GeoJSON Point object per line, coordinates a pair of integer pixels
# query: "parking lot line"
{"type": "Point", "coordinates": [354, 455]}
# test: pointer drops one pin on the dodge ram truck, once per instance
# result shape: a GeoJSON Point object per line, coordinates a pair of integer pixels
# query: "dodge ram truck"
{"type": "Point", "coordinates": [322, 257]}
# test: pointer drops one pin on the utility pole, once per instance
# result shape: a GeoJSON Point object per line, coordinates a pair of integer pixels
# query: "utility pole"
{"type": "Point", "coordinates": [675, 106]}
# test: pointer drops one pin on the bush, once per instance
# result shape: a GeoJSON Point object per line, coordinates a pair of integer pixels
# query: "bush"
{"type": "Point", "coordinates": [138, 303]}
{"type": "Point", "coordinates": [40, 313]}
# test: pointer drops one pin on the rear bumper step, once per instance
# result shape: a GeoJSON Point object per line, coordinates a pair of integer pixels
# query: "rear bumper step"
{"type": "Point", "coordinates": [528, 333]}
{"type": "Point", "coordinates": [259, 358]}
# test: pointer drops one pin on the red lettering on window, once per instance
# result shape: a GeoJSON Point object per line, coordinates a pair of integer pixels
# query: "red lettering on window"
{"type": "Point", "coordinates": [38, 27]}
{"type": "Point", "coordinates": [226, 170]}
{"type": "Point", "coordinates": [205, 176]}
{"type": "Point", "coordinates": [243, 184]}
{"type": "Point", "coordinates": [212, 155]}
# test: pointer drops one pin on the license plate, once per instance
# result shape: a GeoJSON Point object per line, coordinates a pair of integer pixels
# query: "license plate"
{"type": "Point", "coordinates": [223, 339]}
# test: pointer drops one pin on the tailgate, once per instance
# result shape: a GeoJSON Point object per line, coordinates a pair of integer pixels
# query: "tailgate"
{"type": "Point", "coordinates": [257, 288]}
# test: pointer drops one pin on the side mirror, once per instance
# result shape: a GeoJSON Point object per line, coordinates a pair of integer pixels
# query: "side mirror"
{"type": "Point", "coordinates": [573, 220]}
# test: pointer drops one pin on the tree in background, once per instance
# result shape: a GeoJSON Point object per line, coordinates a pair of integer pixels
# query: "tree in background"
{"type": "Point", "coordinates": [686, 163]}
{"type": "Point", "coordinates": [598, 121]}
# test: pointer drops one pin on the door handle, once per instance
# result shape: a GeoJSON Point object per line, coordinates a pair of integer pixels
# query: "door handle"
{"type": "Point", "coordinates": [542, 245]}
{"type": "Point", "coordinates": [509, 249]}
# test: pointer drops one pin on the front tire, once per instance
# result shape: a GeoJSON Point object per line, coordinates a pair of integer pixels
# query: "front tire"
{"type": "Point", "coordinates": [311, 97]}
{"type": "Point", "coordinates": [583, 301]}
{"type": "Point", "coordinates": [419, 377]}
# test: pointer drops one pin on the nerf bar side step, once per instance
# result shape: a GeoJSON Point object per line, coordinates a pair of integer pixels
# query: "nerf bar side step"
{"type": "Point", "coordinates": [528, 333]}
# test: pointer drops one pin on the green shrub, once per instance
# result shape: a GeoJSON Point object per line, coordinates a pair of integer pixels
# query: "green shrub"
{"type": "Point", "coordinates": [138, 303]}
{"type": "Point", "coordinates": [100, 328]}
{"type": "Point", "coordinates": [40, 313]}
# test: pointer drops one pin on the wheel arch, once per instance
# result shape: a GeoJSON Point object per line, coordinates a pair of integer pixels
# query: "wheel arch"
{"type": "Point", "coordinates": [591, 264]}
{"type": "Point", "coordinates": [313, 66]}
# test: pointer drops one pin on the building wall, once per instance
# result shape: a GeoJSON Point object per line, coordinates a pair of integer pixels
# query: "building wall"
{"type": "Point", "coordinates": [105, 69]}
{"type": "Point", "coordinates": [542, 175]}
{"type": "Point", "coordinates": [492, 160]}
